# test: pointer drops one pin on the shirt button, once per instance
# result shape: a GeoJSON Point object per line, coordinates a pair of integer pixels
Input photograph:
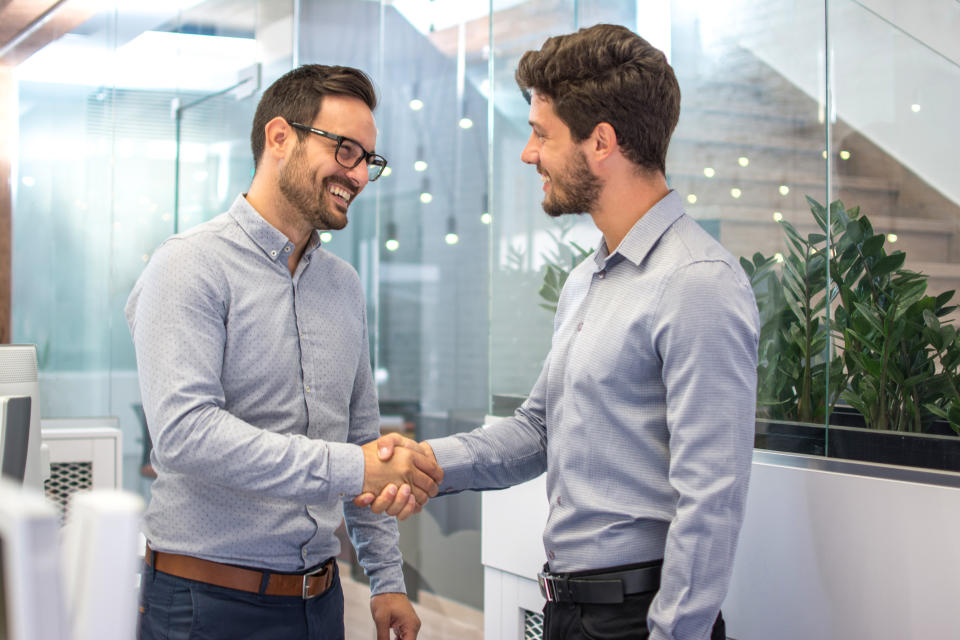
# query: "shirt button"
{"type": "Point", "coordinates": [551, 555]}
{"type": "Point", "coordinates": [580, 326]}
{"type": "Point", "coordinates": [308, 387]}
{"type": "Point", "coordinates": [286, 249]}
{"type": "Point", "coordinates": [273, 254]}
{"type": "Point", "coordinates": [602, 275]}
{"type": "Point", "coordinates": [559, 500]}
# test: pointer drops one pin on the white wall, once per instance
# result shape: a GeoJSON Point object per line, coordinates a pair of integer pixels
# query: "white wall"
{"type": "Point", "coordinates": [823, 554]}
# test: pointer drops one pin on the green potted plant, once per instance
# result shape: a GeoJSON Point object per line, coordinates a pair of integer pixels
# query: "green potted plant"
{"type": "Point", "coordinates": [892, 358]}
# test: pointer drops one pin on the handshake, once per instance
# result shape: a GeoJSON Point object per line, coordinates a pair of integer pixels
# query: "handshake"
{"type": "Point", "coordinates": [400, 475]}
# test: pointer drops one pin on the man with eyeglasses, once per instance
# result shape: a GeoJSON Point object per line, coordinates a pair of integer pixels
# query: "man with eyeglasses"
{"type": "Point", "coordinates": [252, 350]}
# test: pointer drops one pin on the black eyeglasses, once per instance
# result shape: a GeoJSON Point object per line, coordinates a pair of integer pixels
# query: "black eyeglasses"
{"type": "Point", "coordinates": [349, 152]}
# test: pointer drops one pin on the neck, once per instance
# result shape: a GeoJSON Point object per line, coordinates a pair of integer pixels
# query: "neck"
{"type": "Point", "coordinates": [624, 201]}
{"type": "Point", "coordinates": [276, 210]}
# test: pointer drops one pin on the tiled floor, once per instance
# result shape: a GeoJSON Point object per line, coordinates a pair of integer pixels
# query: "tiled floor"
{"type": "Point", "coordinates": [442, 619]}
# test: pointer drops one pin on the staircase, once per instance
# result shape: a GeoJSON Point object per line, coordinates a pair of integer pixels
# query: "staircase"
{"type": "Point", "coordinates": [750, 146]}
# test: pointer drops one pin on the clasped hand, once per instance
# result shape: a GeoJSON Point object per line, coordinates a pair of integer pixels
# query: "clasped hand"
{"type": "Point", "coordinates": [400, 475]}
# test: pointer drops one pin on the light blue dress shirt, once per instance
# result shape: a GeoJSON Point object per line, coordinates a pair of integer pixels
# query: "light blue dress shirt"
{"type": "Point", "coordinates": [253, 381]}
{"type": "Point", "coordinates": [642, 417]}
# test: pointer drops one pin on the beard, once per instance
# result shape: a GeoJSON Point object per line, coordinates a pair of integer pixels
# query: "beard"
{"type": "Point", "coordinates": [299, 188]}
{"type": "Point", "coordinates": [574, 188]}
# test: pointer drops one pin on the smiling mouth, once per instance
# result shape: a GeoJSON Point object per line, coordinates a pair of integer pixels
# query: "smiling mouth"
{"type": "Point", "coordinates": [341, 193]}
{"type": "Point", "coordinates": [544, 181]}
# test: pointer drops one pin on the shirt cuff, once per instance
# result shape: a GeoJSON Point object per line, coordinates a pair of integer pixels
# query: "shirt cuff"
{"type": "Point", "coordinates": [346, 470]}
{"type": "Point", "coordinates": [387, 580]}
{"type": "Point", "coordinates": [455, 460]}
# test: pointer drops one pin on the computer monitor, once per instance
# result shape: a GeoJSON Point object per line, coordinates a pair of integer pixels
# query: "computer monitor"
{"type": "Point", "coordinates": [101, 560]}
{"type": "Point", "coordinates": [19, 379]}
{"type": "Point", "coordinates": [31, 602]}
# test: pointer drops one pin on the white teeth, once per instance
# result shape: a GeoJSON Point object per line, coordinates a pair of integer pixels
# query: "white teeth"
{"type": "Point", "coordinates": [340, 192]}
{"type": "Point", "coordinates": [544, 178]}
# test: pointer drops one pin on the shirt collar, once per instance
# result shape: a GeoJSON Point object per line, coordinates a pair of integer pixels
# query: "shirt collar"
{"type": "Point", "coordinates": [271, 241]}
{"type": "Point", "coordinates": [645, 233]}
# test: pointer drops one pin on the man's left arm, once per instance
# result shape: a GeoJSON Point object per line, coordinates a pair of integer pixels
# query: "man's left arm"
{"type": "Point", "coordinates": [706, 334]}
{"type": "Point", "coordinates": [375, 536]}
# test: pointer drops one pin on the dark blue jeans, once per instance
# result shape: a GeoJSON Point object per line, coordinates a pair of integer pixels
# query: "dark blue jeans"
{"type": "Point", "coordinates": [173, 608]}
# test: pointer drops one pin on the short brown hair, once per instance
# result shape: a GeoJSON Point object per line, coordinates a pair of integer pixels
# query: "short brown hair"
{"type": "Point", "coordinates": [607, 73]}
{"type": "Point", "coordinates": [298, 95]}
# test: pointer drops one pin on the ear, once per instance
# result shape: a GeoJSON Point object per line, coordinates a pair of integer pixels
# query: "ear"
{"type": "Point", "coordinates": [280, 138]}
{"type": "Point", "coordinates": [603, 141]}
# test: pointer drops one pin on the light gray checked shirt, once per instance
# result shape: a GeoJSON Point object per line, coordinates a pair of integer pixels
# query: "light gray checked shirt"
{"type": "Point", "coordinates": [643, 417]}
{"type": "Point", "coordinates": [253, 381]}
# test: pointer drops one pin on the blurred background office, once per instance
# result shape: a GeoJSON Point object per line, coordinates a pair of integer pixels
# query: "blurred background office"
{"type": "Point", "coordinates": [124, 121]}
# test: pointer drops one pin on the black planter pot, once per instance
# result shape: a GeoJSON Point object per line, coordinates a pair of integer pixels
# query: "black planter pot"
{"type": "Point", "coordinates": [845, 440]}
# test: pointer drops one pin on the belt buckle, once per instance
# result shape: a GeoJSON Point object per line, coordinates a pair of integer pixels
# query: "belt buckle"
{"type": "Point", "coordinates": [544, 581]}
{"type": "Point", "coordinates": [552, 586]}
{"type": "Point", "coordinates": [306, 581]}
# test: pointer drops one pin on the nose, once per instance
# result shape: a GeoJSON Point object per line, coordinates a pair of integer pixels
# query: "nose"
{"type": "Point", "coordinates": [359, 175]}
{"type": "Point", "coordinates": [529, 154]}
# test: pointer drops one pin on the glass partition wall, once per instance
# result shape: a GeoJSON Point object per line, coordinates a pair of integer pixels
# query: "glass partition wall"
{"type": "Point", "coordinates": [135, 126]}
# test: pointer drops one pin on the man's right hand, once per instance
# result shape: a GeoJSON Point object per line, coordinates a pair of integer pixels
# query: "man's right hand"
{"type": "Point", "coordinates": [406, 465]}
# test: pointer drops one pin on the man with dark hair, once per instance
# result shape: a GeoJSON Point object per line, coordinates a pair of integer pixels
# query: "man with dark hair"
{"type": "Point", "coordinates": [252, 351]}
{"type": "Point", "coordinates": [643, 414]}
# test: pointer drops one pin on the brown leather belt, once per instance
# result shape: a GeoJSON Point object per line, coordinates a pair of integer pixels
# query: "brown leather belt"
{"type": "Point", "coordinates": [306, 586]}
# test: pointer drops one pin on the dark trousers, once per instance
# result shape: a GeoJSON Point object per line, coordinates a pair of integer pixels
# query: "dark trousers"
{"type": "Point", "coordinates": [173, 608]}
{"type": "Point", "coordinates": [622, 621]}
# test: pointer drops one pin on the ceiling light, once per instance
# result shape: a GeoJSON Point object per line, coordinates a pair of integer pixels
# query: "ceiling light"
{"type": "Point", "coordinates": [425, 196]}
{"type": "Point", "coordinates": [777, 216]}
{"type": "Point", "coordinates": [736, 193]}
{"type": "Point", "coordinates": [709, 172]}
{"type": "Point", "coordinates": [784, 189]}
{"type": "Point", "coordinates": [416, 104]}
{"type": "Point", "coordinates": [326, 236]}
{"type": "Point", "coordinates": [451, 237]}
{"type": "Point", "coordinates": [743, 161]}
{"type": "Point", "coordinates": [692, 198]}
{"type": "Point", "coordinates": [465, 123]}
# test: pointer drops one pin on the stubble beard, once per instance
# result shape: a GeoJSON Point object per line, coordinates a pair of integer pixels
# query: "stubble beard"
{"type": "Point", "coordinates": [574, 189]}
{"type": "Point", "coordinates": [298, 187]}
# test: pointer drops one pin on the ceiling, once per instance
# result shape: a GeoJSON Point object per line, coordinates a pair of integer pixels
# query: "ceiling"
{"type": "Point", "coordinates": [26, 26]}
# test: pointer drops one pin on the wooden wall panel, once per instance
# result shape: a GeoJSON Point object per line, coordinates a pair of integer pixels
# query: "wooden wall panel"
{"type": "Point", "coordinates": [8, 123]}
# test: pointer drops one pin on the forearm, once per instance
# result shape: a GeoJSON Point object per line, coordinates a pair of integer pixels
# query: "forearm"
{"type": "Point", "coordinates": [375, 538]}
{"type": "Point", "coordinates": [505, 453]}
{"type": "Point", "coordinates": [214, 446]}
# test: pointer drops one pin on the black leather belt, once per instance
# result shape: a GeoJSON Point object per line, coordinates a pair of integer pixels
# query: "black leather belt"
{"type": "Point", "coordinates": [600, 588]}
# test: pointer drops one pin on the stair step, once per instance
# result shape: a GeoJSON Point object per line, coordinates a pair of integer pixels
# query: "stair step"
{"type": "Point", "coordinates": [746, 230]}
